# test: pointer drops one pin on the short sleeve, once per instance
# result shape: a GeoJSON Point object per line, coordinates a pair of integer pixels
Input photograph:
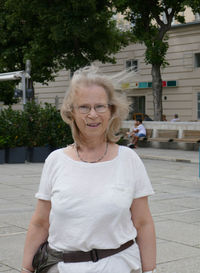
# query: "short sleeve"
{"type": "Point", "coordinates": [45, 187]}
{"type": "Point", "coordinates": [143, 185]}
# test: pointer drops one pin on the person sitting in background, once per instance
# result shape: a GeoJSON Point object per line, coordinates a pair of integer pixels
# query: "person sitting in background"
{"type": "Point", "coordinates": [176, 118]}
{"type": "Point", "coordinates": [147, 118]}
{"type": "Point", "coordinates": [164, 118]}
{"type": "Point", "coordinates": [137, 132]}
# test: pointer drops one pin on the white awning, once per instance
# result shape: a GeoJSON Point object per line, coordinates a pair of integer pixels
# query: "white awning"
{"type": "Point", "coordinates": [11, 76]}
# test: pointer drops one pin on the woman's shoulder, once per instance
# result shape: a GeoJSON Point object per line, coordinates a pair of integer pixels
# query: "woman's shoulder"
{"type": "Point", "coordinates": [127, 152]}
{"type": "Point", "coordinates": [130, 157]}
{"type": "Point", "coordinates": [54, 155]}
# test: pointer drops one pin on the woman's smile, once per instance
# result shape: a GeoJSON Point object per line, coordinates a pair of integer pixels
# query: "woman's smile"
{"type": "Point", "coordinates": [93, 125]}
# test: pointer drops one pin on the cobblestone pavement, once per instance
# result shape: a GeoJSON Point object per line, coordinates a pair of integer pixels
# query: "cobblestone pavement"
{"type": "Point", "coordinates": [175, 208]}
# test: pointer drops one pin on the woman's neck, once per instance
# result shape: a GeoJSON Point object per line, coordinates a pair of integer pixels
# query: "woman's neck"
{"type": "Point", "coordinates": [92, 151]}
{"type": "Point", "coordinates": [92, 143]}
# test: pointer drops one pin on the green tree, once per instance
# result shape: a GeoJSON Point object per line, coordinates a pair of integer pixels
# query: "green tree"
{"type": "Point", "coordinates": [151, 20]}
{"type": "Point", "coordinates": [57, 34]}
{"type": "Point", "coordinates": [7, 92]}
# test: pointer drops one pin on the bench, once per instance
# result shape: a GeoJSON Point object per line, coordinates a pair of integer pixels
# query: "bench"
{"type": "Point", "coordinates": [125, 139]}
{"type": "Point", "coordinates": [164, 135]}
{"type": "Point", "coordinates": [148, 135]}
{"type": "Point", "coordinates": [142, 141]}
{"type": "Point", "coordinates": [189, 136]}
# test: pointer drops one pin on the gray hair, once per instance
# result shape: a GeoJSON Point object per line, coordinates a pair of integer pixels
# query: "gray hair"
{"type": "Point", "coordinates": [119, 107]}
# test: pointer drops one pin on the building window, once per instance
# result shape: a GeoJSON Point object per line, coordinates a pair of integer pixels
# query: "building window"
{"type": "Point", "coordinates": [198, 105]}
{"type": "Point", "coordinates": [197, 59]}
{"type": "Point", "coordinates": [132, 65]}
{"type": "Point", "coordinates": [137, 106]}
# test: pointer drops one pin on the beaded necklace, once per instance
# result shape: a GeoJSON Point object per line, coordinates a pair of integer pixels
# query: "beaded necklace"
{"type": "Point", "coordinates": [95, 161]}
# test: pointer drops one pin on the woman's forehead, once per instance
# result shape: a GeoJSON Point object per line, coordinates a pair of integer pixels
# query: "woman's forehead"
{"type": "Point", "coordinates": [90, 94]}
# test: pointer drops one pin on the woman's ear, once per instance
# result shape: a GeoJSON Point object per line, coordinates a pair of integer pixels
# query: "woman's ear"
{"type": "Point", "coordinates": [112, 110]}
{"type": "Point", "coordinates": [70, 115]}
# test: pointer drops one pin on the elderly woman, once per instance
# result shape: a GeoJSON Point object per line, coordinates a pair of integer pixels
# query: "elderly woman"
{"type": "Point", "coordinates": [93, 195]}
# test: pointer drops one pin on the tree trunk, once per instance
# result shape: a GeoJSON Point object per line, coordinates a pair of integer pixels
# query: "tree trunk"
{"type": "Point", "coordinates": [157, 91]}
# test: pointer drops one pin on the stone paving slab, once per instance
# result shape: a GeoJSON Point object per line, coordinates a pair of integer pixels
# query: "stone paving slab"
{"type": "Point", "coordinates": [182, 202]}
{"type": "Point", "coordinates": [11, 249]}
{"type": "Point", "coordinates": [189, 216]}
{"type": "Point", "coordinates": [168, 154]}
{"type": "Point", "coordinates": [188, 234]}
{"type": "Point", "coordinates": [7, 269]}
{"type": "Point", "coordinates": [10, 230]}
{"type": "Point", "coordinates": [186, 202]}
{"type": "Point", "coordinates": [19, 219]}
{"type": "Point", "coordinates": [186, 265]}
{"type": "Point", "coordinates": [170, 251]}
{"type": "Point", "coordinates": [158, 207]}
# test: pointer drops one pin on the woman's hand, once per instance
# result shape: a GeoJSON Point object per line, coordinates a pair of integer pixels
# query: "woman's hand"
{"type": "Point", "coordinates": [25, 270]}
{"type": "Point", "coordinates": [37, 233]}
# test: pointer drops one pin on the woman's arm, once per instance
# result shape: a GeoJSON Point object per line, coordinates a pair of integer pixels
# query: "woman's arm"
{"type": "Point", "coordinates": [37, 232]}
{"type": "Point", "coordinates": [146, 239]}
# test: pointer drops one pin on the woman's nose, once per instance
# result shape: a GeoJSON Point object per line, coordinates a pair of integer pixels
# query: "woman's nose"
{"type": "Point", "coordinates": [92, 113]}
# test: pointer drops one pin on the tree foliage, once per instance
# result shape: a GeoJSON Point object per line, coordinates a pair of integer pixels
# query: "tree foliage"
{"type": "Point", "coordinates": [151, 20]}
{"type": "Point", "coordinates": [56, 34]}
{"type": "Point", "coordinates": [7, 92]}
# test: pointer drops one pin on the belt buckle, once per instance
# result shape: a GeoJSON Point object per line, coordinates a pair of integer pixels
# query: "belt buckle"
{"type": "Point", "coordinates": [94, 255]}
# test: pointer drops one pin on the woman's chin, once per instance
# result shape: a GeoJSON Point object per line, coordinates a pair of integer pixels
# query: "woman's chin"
{"type": "Point", "coordinates": [94, 133]}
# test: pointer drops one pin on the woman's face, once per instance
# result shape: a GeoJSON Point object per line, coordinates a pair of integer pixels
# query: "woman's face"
{"type": "Point", "coordinates": [91, 123]}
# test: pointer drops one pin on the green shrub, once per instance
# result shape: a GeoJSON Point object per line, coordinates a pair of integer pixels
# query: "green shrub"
{"type": "Point", "coordinates": [36, 130]}
{"type": "Point", "coordinates": [13, 128]}
{"type": "Point", "coordinates": [57, 131]}
{"type": "Point", "coordinates": [7, 92]}
{"type": "Point", "coordinates": [3, 142]}
{"type": "Point", "coordinates": [35, 126]}
{"type": "Point", "coordinates": [46, 126]}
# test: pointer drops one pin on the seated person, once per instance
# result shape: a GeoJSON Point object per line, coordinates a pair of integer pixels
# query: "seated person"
{"type": "Point", "coordinates": [147, 118]}
{"type": "Point", "coordinates": [137, 132]}
{"type": "Point", "coordinates": [164, 118]}
{"type": "Point", "coordinates": [176, 118]}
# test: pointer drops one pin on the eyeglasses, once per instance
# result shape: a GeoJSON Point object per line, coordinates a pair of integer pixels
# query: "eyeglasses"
{"type": "Point", "coordinates": [86, 108]}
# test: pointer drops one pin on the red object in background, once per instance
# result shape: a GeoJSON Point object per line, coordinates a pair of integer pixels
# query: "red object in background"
{"type": "Point", "coordinates": [164, 83]}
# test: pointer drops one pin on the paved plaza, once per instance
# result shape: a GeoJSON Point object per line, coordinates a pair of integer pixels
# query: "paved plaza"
{"type": "Point", "coordinates": [175, 208]}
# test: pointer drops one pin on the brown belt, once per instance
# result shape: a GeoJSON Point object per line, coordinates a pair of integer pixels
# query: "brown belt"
{"type": "Point", "coordinates": [93, 255]}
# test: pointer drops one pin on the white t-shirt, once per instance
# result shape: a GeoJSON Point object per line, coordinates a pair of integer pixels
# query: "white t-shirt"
{"type": "Point", "coordinates": [141, 129]}
{"type": "Point", "coordinates": [91, 208]}
{"type": "Point", "coordinates": [175, 120]}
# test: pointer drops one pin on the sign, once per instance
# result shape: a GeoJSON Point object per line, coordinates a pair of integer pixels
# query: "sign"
{"type": "Point", "coordinates": [133, 85]}
{"type": "Point", "coordinates": [164, 84]}
{"type": "Point", "coordinates": [129, 85]}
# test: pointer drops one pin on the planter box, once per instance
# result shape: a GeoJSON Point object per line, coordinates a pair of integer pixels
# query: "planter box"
{"type": "Point", "coordinates": [2, 156]}
{"type": "Point", "coordinates": [38, 154]}
{"type": "Point", "coordinates": [16, 155]}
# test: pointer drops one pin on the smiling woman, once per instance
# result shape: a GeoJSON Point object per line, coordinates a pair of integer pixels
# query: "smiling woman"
{"type": "Point", "coordinates": [95, 191]}
{"type": "Point", "coordinates": [86, 79]}
{"type": "Point", "coordinates": [89, 97]}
